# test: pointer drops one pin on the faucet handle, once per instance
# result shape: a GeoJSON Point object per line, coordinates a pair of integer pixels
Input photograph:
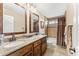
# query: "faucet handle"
{"type": "Point", "coordinates": [13, 37]}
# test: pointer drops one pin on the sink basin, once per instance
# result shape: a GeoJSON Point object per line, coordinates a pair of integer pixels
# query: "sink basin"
{"type": "Point", "coordinates": [13, 44]}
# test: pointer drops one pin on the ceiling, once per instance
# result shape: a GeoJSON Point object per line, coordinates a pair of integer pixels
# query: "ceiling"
{"type": "Point", "coordinates": [51, 9]}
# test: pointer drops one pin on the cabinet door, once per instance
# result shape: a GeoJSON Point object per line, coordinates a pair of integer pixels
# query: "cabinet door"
{"type": "Point", "coordinates": [44, 47]}
{"type": "Point", "coordinates": [37, 50]}
{"type": "Point", "coordinates": [22, 51]}
{"type": "Point", "coordinates": [30, 53]}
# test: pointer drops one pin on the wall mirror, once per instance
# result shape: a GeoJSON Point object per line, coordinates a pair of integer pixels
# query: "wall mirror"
{"type": "Point", "coordinates": [34, 23]}
{"type": "Point", "coordinates": [14, 19]}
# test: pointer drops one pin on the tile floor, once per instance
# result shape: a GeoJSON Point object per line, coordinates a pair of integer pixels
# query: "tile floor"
{"type": "Point", "coordinates": [53, 49]}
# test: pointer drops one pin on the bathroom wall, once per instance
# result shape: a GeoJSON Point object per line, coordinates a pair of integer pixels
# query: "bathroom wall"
{"type": "Point", "coordinates": [77, 29]}
{"type": "Point", "coordinates": [70, 14]}
{"type": "Point", "coordinates": [30, 8]}
{"type": "Point", "coordinates": [71, 19]}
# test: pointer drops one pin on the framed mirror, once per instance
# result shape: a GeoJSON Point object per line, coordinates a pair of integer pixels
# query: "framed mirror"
{"type": "Point", "coordinates": [34, 23]}
{"type": "Point", "coordinates": [14, 19]}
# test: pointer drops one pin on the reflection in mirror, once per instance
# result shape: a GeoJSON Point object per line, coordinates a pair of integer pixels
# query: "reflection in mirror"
{"type": "Point", "coordinates": [8, 24]}
{"type": "Point", "coordinates": [14, 18]}
{"type": "Point", "coordinates": [34, 20]}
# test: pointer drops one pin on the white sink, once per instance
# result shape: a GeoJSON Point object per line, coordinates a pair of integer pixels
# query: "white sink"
{"type": "Point", "coordinates": [13, 44]}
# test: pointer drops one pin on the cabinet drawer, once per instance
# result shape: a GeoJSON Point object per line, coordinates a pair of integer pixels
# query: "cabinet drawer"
{"type": "Point", "coordinates": [22, 51]}
{"type": "Point", "coordinates": [37, 42]}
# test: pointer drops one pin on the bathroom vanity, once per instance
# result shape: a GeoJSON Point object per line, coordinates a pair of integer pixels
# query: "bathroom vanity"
{"type": "Point", "coordinates": [14, 22]}
{"type": "Point", "coordinates": [33, 46]}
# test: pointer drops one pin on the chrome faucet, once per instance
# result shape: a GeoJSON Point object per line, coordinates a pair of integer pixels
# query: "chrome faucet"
{"type": "Point", "coordinates": [1, 39]}
{"type": "Point", "coordinates": [13, 38]}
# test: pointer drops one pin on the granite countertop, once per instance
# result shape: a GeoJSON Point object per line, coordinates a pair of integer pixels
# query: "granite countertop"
{"type": "Point", "coordinates": [13, 46]}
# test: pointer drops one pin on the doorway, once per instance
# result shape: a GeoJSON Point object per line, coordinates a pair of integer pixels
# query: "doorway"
{"type": "Point", "coordinates": [56, 30]}
{"type": "Point", "coordinates": [52, 31]}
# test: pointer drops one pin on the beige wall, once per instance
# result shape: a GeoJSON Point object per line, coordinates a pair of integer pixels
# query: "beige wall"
{"type": "Point", "coordinates": [71, 20]}
{"type": "Point", "coordinates": [41, 18]}
{"type": "Point", "coordinates": [70, 14]}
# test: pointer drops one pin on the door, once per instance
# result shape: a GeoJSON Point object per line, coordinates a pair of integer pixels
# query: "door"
{"type": "Point", "coordinates": [60, 31]}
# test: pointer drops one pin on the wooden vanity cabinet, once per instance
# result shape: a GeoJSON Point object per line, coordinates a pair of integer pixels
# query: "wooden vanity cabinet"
{"type": "Point", "coordinates": [44, 45]}
{"type": "Point", "coordinates": [26, 50]}
{"type": "Point", "coordinates": [37, 48]}
{"type": "Point", "coordinates": [40, 47]}
{"type": "Point", "coordinates": [30, 53]}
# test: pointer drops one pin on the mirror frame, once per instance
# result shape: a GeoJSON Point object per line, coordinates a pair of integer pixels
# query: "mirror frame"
{"type": "Point", "coordinates": [30, 18]}
{"type": "Point", "coordinates": [1, 18]}
{"type": "Point", "coordinates": [6, 34]}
